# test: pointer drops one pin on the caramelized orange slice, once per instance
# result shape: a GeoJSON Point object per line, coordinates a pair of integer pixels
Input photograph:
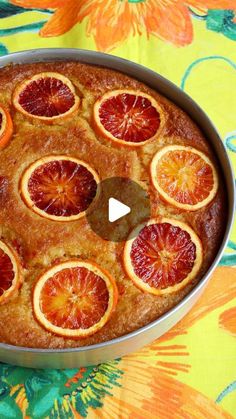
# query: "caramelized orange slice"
{"type": "Point", "coordinates": [46, 96]}
{"type": "Point", "coordinates": [10, 278]}
{"type": "Point", "coordinates": [128, 117]}
{"type": "Point", "coordinates": [6, 127]}
{"type": "Point", "coordinates": [164, 256]}
{"type": "Point", "coordinates": [60, 188]}
{"type": "Point", "coordinates": [74, 299]}
{"type": "Point", "coordinates": [184, 177]}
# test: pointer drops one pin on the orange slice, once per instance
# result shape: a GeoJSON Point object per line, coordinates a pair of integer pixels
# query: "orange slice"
{"type": "Point", "coordinates": [75, 298]}
{"type": "Point", "coordinates": [46, 96]}
{"type": "Point", "coordinates": [60, 188]}
{"type": "Point", "coordinates": [184, 177]}
{"type": "Point", "coordinates": [128, 117]}
{"type": "Point", "coordinates": [10, 278]}
{"type": "Point", "coordinates": [6, 127]}
{"type": "Point", "coordinates": [163, 257]}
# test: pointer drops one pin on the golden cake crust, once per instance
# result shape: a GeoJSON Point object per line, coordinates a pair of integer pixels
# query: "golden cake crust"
{"type": "Point", "coordinates": [40, 242]}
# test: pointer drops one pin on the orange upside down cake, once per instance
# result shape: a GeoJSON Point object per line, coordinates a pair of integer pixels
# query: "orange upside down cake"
{"type": "Point", "coordinates": [65, 127]}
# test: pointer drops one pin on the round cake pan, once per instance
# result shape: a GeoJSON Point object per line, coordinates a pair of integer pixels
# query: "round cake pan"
{"type": "Point", "coordinates": [89, 355]}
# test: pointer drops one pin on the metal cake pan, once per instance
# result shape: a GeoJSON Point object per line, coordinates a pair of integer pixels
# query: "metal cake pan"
{"type": "Point", "coordinates": [89, 355]}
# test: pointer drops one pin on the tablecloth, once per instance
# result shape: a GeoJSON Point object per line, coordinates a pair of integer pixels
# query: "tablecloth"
{"type": "Point", "coordinates": [190, 372]}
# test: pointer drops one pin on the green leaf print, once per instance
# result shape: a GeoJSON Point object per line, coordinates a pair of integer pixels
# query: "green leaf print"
{"type": "Point", "coordinates": [222, 21]}
{"type": "Point", "coordinates": [42, 402]}
{"type": "Point", "coordinates": [9, 409]}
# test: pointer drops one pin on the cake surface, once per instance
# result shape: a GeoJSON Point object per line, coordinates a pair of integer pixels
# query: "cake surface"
{"type": "Point", "coordinates": [41, 242]}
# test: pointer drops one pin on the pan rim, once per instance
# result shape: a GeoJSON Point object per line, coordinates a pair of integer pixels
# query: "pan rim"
{"type": "Point", "coordinates": [59, 54]}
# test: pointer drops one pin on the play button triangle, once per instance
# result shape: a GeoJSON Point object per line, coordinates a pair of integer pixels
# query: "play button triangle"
{"type": "Point", "coordinates": [121, 205]}
{"type": "Point", "coordinates": [116, 209]}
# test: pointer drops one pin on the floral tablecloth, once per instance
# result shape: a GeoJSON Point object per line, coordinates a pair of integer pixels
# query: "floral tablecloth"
{"type": "Point", "coordinates": [190, 372]}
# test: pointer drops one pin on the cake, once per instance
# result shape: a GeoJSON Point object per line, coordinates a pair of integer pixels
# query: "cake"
{"type": "Point", "coordinates": [66, 127]}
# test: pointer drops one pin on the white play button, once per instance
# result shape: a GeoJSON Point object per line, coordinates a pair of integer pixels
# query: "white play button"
{"type": "Point", "coordinates": [121, 205]}
{"type": "Point", "coordinates": [116, 209]}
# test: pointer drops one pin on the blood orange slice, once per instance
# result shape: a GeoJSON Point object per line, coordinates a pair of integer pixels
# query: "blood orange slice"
{"type": "Point", "coordinates": [164, 256]}
{"type": "Point", "coordinates": [184, 177]}
{"type": "Point", "coordinates": [74, 299]}
{"type": "Point", "coordinates": [10, 279]}
{"type": "Point", "coordinates": [128, 117]}
{"type": "Point", "coordinates": [6, 127]}
{"type": "Point", "coordinates": [60, 188]}
{"type": "Point", "coordinates": [46, 96]}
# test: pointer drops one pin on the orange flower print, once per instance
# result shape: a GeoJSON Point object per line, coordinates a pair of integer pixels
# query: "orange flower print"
{"type": "Point", "coordinates": [111, 22]}
{"type": "Point", "coordinates": [150, 386]}
{"type": "Point", "coordinates": [227, 321]}
{"type": "Point", "coordinates": [214, 297]}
